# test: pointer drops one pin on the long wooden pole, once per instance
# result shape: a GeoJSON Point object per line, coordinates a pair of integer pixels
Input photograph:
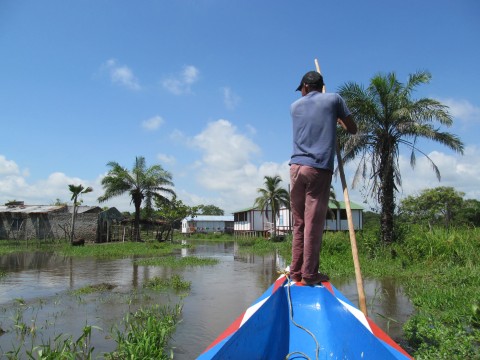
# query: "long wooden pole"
{"type": "Point", "coordinates": [351, 229]}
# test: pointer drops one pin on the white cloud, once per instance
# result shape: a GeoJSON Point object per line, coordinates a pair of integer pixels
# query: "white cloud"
{"type": "Point", "coordinates": [251, 129]}
{"type": "Point", "coordinates": [153, 123]}
{"type": "Point", "coordinates": [168, 159]}
{"type": "Point", "coordinates": [223, 147]}
{"type": "Point", "coordinates": [463, 110]}
{"type": "Point", "coordinates": [122, 75]}
{"type": "Point", "coordinates": [230, 99]}
{"type": "Point", "coordinates": [227, 168]}
{"type": "Point", "coordinates": [180, 84]}
{"type": "Point", "coordinates": [189, 74]}
{"type": "Point", "coordinates": [45, 191]}
{"type": "Point", "coordinates": [8, 167]}
{"type": "Point", "coordinates": [456, 171]}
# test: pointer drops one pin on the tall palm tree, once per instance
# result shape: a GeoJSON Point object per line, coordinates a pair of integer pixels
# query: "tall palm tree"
{"type": "Point", "coordinates": [272, 197]}
{"type": "Point", "coordinates": [76, 191]}
{"type": "Point", "coordinates": [388, 117]}
{"type": "Point", "coordinates": [141, 183]}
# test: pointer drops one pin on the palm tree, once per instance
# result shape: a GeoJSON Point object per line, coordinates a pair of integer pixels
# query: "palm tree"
{"type": "Point", "coordinates": [76, 191]}
{"type": "Point", "coordinates": [388, 117]}
{"type": "Point", "coordinates": [333, 199]}
{"type": "Point", "coordinates": [273, 197]}
{"type": "Point", "coordinates": [141, 183]}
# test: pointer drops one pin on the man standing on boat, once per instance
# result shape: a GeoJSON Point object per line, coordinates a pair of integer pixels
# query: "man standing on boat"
{"type": "Point", "coordinates": [314, 116]}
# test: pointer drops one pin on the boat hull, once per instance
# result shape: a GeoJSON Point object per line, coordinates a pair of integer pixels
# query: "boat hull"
{"type": "Point", "coordinates": [294, 321]}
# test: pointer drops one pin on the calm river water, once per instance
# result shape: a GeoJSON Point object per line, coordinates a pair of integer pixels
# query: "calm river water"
{"type": "Point", "coordinates": [36, 292]}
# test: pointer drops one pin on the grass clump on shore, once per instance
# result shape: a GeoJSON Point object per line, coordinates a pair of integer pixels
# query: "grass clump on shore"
{"type": "Point", "coordinates": [262, 246]}
{"type": "Point", "coordinates": [442, 281]}
{"type": "Point", "coordinates": [439, 270]}
{"type": "Point", "coordinates": [90, 289]}
{"type": "Point", "coordinates": [118, 250]}
{"type": "Point", "coordinates": [210, 237]}
{"type": "Point", "coordinates": [146, 334]}
{"type": "Point", "coordinates": [64, 347]}
{"type": "Point", "coordinates": [176, 282]}
{"type": "Point", "coordinates": [176, 262]}
{"type": "Point", "coordinates": [104, 250]}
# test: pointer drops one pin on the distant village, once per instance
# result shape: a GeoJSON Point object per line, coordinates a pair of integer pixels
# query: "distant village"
{"type": "Point", "coordinates": [98, 225]}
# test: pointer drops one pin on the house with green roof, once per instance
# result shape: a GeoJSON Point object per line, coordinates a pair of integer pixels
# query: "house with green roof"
{"type": "Point", "coordinates": [255, 222]}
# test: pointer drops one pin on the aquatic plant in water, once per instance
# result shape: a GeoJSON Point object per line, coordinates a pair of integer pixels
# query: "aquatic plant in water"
{"type": "Point", "coordinates": [146, 334]}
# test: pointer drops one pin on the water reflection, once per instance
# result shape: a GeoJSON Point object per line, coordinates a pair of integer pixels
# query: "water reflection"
{"type": "Point", "coordinates": [387, 304]}
{"type": "Point", "coordinates": [219, 294]}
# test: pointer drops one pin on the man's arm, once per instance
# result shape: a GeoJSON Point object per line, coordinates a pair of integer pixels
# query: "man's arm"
{"type": "Point", "coordinates": [348, 124]}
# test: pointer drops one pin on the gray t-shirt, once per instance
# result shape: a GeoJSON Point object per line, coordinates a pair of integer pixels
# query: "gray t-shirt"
{"type": "Point", "coordinates": [314, 118]}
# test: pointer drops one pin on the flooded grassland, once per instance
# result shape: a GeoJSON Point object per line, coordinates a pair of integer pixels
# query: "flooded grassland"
{"type": "Point", "coordinates": [49, 299]}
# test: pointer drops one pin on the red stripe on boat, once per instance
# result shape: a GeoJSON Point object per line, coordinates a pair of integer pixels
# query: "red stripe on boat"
{"type": "Point", "coordinates": [328, 286]}
{"type": "Point", "coordinates": [379, 333]}
{"type": "Point", "coordinates": [234, 326]}
{"type": "Point", "coordinates": [278, 283]}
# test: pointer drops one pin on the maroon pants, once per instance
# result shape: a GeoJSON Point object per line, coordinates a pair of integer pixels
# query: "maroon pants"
{"type": "Point", "coordinates": [309, 196]}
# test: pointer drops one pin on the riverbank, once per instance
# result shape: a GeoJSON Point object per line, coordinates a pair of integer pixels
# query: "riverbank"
{"type": "Point", "coordinates": [438, 270]}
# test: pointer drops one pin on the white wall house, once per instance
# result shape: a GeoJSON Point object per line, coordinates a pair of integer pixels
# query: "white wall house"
{"type": "Point", "coordinates": [255, 222]}
{"type": "Point", "coordinates": [252, 221]}
{"type": "Point", "coordinates": [336, 217]}
{"type": "Point", "coordinates": [207, 224]}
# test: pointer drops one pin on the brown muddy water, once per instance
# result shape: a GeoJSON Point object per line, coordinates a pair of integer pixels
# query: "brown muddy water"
{"type": "Point", "coordinates": [36, 293]}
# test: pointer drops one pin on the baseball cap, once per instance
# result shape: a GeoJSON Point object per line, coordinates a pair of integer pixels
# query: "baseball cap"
{"type": "Point", "coordinates": [311, 77]}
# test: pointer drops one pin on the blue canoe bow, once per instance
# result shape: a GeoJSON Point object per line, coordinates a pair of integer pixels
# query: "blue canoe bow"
{"type": "Point", "coordinates": [325, 326]}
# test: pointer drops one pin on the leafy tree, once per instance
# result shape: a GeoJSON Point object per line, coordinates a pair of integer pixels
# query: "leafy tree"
{"type": "Point", "coordinates": [141, 183]}
{"type": "Point", "coordinates": [172, 212]}
{"type": "Point", "coordinates": [441, 205]}
{"type": "Point", "coordinates": [437, 205]}
{"type": "Point", "coordinates": [272, 197]}
{"type": "Point", "coordinates": [210, 210]}
{"type": "Point", "coordinates": [59, 202]}
{"type": "Point", "coordinates": [76, 191]}
{"type": "Point", "coordinates": [370, 220]}
{"type": "Point", "coordinates": [387, 118]}
{"type": "Point", "coordinates": [469, 213]}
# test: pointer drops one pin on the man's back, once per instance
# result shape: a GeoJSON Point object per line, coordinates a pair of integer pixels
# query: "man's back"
{"type": "Point", "coordinates": [314, 128]}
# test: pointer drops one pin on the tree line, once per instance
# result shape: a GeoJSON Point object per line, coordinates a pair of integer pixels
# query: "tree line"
{"type": "Point", "coordinates": [388, 118]}
{"type": "Point", "coordinates": [440, 206]}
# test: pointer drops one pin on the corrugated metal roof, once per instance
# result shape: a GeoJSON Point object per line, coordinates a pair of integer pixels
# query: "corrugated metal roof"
{"type": "Point", "coordinates": [341, 204]}
{"type": "Point", "coordinates": [211, 218]}
{"type": "Point", "coordinates": [331, 205]}
{"type": "Point", "coordinates": [30, 209]}
{"type": "Point", "coordinates": [84, 208]}
{"type": "Point", "coordinates": [244, 210]}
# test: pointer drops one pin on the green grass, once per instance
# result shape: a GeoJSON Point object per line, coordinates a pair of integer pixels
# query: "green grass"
{"type": "Point", "coordinates": [211, 237]}
{"type": "Point", "coordinates": [263, 246]}
{"type": "Point", "coordinates": [146, 334]}
{"type": "Point", "coordinates": [176, 262]}
{"type": "Point", "coordinates": [106, 250]}
{"type": "Point", "coordinates": [176, 282]}
{"type": "Point", "coordinates": [118, 250]}
{"type": "Point", "coordinates": [90, 289]}
{"type": "Point", "coordinates": [64, 347]}
{"type": "Point", "coordinates": [142, 335]}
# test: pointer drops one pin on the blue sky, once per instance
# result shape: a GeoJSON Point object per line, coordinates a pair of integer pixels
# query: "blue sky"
{"type": "Point", "coordinates": [203, 87]}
